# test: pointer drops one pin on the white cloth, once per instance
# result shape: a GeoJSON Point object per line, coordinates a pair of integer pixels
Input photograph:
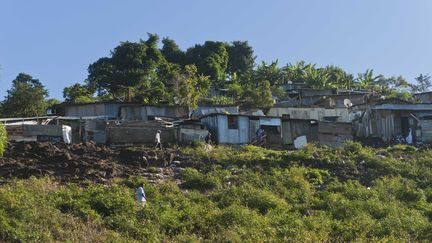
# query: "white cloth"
{"type": "Point", "coordinates": [300, 142]}
{"type": "Point", "coordinates": [157, 138]}
{"type": "Point", "coordinates": [140, 195]}
{"type": "Point", "coordinates": [409, 138]}
{"type": "Point", "coordinates": [67, 134]}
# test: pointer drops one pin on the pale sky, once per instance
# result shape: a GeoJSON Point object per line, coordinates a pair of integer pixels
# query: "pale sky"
{"type": "Point", "coordinates": [55, 41]}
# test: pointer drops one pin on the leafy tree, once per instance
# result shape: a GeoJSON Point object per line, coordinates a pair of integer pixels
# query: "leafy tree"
{"type": "Point", "coordinates": [269, 72]}
{"type": "Point", "coordinates": [3, 138]}
{"type": "Point", "coordinates": [241, 58]}
{"type": "Point", "coordinates": [192, 86]}
{"type": "Point", "coordinates": [172, 51]}
{"type": "Point", "coordinates": [235, 90]}
{"type": "Point", "coordinates": [211, 59]}
{"type": "Point", "coordinates": [160, 85]}
{"type": "Point", "coordinates": [51, 102]}
{"type": "Point", "coordinates": [26, 98]}
{"type": "Point", "coordinates": [315, 78]}
{"type": "Point", "coordinates": [78, 93]}
{"type": "Point", "coordinates": [220, 100]}
{"type": "Point", "coordinates": [129, 66]}
{"type": "Point", "coordinates": [295, 73]}
{"type": "Point", "coordinates": [337, 77]}
{"type": "Point", "coordinates": [366, 80]}
{"type": "Point", "coordinates": [258, 95]}
{"type": "Point", "coordinates": [386, 85]}
{"type": "Point", "coordinates": [424, 82]}
{"type": "Point", "coordinates": [403, 95]}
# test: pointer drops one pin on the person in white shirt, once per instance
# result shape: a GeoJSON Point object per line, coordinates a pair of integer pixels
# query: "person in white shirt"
{"type": "Point", "coordinates": [140, 196]}
{"type": "Point", "coordinates": [158, 139]}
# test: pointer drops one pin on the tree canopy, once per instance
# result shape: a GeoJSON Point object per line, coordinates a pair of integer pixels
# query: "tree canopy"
{"type": "Point", "coordinates": [151, 71]}
{"type": "Point", "coordinates": [26, 98]}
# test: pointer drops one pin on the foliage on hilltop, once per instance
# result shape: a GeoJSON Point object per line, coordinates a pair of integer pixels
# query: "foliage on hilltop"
{"type": "Point", "coordinates": [151, 71]}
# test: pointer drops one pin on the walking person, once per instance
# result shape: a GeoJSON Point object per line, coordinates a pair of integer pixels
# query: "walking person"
{"type": "Point", "coordinates": [158, 139]}
{"type": "Point", "coordinates": [140, 196]}
{"type": "Point", "coordinates": [208, 141]}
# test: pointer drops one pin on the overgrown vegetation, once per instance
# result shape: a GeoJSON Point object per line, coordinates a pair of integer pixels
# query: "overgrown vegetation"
{"type": "Point", "coordinates": [3, 138]}
{"type": "Point", "coordinates": [353, 193]}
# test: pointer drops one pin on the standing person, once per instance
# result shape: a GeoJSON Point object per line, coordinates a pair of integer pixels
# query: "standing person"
{"type": "Point", "coordinates": [208, 138]}
{"type": "Point", "coordinates": [259, 132]}
{"type": "Point", "coordinates": [140, 196]}
{"type": "Point", "coordinates": [158, 139]}
{"type": "Point", "coordinates": [208, 141]}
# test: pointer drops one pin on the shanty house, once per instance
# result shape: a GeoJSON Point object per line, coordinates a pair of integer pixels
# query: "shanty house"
{"type": "Point", "coordinates": [140, 132]}
{"type": "Point", "coordinates": [241, 129]}
{"type": "Point", "coordinates": [392, 121]}
{"type": "Point", "coordinates": [424, 97]}
{"type": "Point", "coordinates": [190, 131]}
{"type": "Point", "coordinates": [334, 134]}
{"type": "Point", "coordinates": [41, 129]}
{"type": "Point", "coordinates": [292, 129]}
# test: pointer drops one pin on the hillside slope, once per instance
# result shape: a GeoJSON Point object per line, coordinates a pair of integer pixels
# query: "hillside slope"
{"type": "Point", "coordinates": [227, 194]}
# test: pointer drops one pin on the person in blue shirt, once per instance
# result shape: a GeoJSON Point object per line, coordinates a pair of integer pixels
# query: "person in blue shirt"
{"type": "Point", "coordinates": [140, 196]}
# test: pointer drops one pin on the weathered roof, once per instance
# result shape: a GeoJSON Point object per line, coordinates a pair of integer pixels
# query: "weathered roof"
{"type": "Point", "coordinates": [26, 118]}
{"type": "Point", "coordinates": [426, 92]}
{"type": "Point", "coordinates": [113, 103]}
{"type": "Point", "coordinates": [405, 107]}
{"type": "Point", "coordinates": [253, 116]}
{"type": "Point", "coordinates": [384, 101]}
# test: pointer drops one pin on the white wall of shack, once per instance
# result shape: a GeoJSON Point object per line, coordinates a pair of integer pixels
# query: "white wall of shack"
{"type": "Point", "coordinates": [233, 136]}
{"type": "Point", "coordinates": [219, 124]}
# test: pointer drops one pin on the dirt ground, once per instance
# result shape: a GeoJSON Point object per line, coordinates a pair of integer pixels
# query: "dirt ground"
{"type": "Point", "coordinates": [88, 162]}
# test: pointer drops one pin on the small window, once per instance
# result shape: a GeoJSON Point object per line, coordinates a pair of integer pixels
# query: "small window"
{"type": "Point", "coordinates": [232, 122]}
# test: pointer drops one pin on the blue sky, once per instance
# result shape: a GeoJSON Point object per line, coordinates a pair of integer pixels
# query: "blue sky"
{"type": "Point", "coordinates": [55, 41]}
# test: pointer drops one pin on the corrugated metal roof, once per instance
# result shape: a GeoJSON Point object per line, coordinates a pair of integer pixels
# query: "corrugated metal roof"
{"type": "Point", "coordinates": [405, 107]}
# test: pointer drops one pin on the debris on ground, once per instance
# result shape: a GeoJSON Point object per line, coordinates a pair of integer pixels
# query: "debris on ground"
{"type": "Point", "coordinates": [87, 162]}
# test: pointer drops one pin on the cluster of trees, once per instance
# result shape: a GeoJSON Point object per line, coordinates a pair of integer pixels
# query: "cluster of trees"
{"type": "Point", "coordinates": [151, 72]}
{"type": "Point", "coordinates": [315, 194]}
{"type": "Point", "coordinates": [143, 72]}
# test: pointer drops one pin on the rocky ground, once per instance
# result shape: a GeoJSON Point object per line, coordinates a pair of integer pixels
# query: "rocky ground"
{"type": "Point", "coordinates": [88, 162]}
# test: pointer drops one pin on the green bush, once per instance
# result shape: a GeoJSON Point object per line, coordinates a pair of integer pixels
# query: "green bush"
{"type": "Point", "coordinates": [196, 180]}
{"type": "Point", "coordinates": [3, 138]}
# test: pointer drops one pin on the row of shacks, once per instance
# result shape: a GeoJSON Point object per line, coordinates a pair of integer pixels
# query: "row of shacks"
{"type": "Point", "coordinates": [328, 117]}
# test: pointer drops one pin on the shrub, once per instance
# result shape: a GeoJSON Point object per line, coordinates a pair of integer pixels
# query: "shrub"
{"type": "Point", "coordinates": [3, 138]}
{"type": "Point", "coordinates": [196, 180]}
